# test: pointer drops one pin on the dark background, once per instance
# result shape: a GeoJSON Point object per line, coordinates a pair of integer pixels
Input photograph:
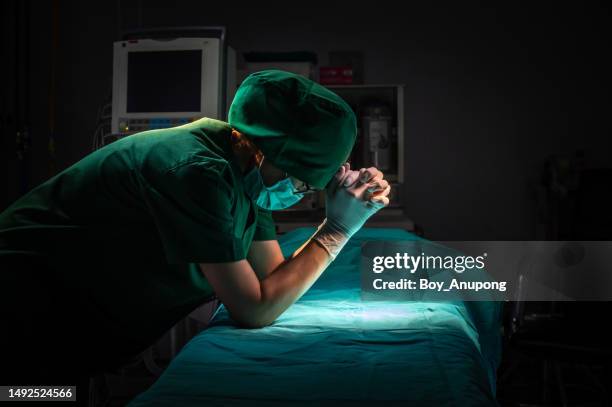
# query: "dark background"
{"type": "Point", "coordinates": [490, 93]}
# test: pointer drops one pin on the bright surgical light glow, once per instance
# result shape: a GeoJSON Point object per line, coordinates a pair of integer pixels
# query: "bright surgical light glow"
{"type": "Point", "coordinates": [353, 314]}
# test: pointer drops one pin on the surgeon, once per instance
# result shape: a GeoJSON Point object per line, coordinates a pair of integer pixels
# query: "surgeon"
{"type": "Point", "coordinates": [100, 260]}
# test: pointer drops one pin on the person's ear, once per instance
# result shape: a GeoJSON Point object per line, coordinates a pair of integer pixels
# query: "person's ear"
{"type": "Point", "coordinates": [245, 148]}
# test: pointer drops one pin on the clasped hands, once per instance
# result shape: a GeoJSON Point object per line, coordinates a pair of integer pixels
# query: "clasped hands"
{"type": "Point", "coordinates": [366, 184]}
{"type": "Point", "coordinates": [353, 196]}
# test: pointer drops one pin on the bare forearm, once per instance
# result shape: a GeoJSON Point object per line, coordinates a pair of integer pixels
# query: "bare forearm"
{"type": "Point", "coordinates": [295, 276]}
{"type": "Point", "coordinates": [265, 257]}
{"type": "Point", "coordinates": [255, 300]}
{"type": "Point", "coordinates": [288, 282]}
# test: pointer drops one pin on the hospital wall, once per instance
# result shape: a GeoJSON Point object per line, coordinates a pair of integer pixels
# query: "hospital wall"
{"type": "Point", "coordinates": [489, 93]}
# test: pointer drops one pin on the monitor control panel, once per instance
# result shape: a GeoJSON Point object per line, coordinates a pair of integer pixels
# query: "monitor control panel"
{"type": "Point", "coordinates": [136, 125]}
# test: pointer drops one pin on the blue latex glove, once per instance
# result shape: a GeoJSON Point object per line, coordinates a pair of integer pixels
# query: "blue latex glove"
{"type": "Point", "coordinates": [351, 198]}
{"type": "Point", "coordinates": [348, 208]}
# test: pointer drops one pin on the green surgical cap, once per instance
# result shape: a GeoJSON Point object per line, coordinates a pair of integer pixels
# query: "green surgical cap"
{"type": "Point", "coordinates": [300, 126]}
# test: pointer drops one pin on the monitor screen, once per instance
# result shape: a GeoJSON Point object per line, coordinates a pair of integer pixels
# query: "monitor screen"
{"type": "Point", "coordinates": [164, 81]}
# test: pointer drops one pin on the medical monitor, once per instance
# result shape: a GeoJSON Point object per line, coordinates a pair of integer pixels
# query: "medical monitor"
{"type": "Point", "coordinates": [164, 83]}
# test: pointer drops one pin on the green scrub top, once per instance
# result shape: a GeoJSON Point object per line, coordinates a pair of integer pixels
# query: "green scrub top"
{"type": "Point", "coordinates": [112, 243]}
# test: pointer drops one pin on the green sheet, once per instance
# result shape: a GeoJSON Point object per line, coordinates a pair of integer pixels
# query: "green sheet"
{"type": "Point", "coordinates": [332, 348]}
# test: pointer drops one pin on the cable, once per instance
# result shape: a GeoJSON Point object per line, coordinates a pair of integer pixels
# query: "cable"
{"type": "Point", "coordinates": [102, 132]}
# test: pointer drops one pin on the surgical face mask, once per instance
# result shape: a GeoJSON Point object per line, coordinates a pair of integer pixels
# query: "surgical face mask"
{"type": "Point", "coordinates": [281, 195]}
